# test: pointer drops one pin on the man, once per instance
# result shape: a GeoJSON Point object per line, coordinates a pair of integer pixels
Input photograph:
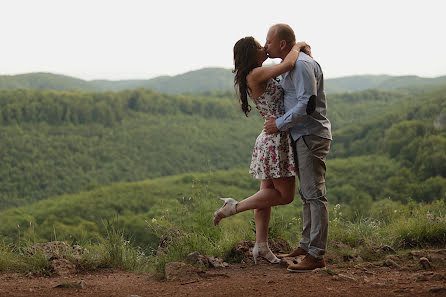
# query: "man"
{"type": "Point", "coordinates": [305, 118]}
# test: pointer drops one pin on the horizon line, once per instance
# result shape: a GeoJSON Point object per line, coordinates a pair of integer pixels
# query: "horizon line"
{"type": "Point", "coordinates": [198, 69]}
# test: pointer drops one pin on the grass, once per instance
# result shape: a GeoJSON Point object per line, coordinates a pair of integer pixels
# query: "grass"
{"type": "Point", "coordinates": [188, 227]}
{"type": "Point", "coordinates": [415, 225]}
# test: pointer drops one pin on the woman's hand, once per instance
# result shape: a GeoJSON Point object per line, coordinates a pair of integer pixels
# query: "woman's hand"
{"type": "Point", "coordinates": [303, 47]}
{"type": "Point", "coordinates": [300, 45]}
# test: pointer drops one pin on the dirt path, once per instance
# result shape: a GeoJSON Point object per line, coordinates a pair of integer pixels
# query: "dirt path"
{"type": "Point", "coordinates": [239, 280]}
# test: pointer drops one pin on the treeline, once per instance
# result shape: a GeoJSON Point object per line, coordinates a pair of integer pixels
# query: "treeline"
{"type": "Point", "coordinates": [55, 108]}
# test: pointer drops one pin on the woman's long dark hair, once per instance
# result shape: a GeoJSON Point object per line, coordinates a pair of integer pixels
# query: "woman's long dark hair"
{"type": "Point", "coordinates": [245, 52]}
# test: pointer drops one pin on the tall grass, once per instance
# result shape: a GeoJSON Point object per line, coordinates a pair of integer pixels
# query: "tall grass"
{"type": "Point", "coordinates": [414, 225]}
{"type": "Point", "coordinates": [187, 227]}
{"type": "Point", "coordinates": [190, 228]}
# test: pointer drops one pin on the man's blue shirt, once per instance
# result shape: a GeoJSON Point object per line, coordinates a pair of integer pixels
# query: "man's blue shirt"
{"type": "Point", "coordinates": [303, 82]}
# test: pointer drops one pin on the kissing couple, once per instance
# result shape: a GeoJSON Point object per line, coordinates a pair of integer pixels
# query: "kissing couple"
{"type": "Point", "coordinates": [294, 142]}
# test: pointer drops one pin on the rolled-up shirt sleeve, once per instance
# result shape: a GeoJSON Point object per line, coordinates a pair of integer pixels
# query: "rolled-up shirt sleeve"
{"type": "Point", "coordinates": [305, 85]}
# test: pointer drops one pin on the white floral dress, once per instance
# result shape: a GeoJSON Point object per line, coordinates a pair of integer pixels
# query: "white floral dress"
{"type": "Point", "coordinates": [272, 156]}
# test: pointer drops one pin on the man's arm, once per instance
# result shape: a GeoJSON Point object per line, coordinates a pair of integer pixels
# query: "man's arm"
{"type": "Point", "coordinates": [305, 85]}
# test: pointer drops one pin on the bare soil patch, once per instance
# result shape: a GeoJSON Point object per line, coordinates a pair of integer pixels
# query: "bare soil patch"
{"type": "Point", "coordinates": [265, 279]}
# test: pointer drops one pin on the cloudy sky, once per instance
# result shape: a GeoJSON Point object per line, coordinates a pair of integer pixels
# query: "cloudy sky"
{"type": "Point", "coordinates": [125, 39]}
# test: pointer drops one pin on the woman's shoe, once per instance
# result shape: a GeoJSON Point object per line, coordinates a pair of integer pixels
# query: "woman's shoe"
{"type": "Point", "coordinates": [262, 249]}
{"type": "Point", "coordinates": [229, 208]}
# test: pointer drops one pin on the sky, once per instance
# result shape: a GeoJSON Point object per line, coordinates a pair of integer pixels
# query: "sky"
{"type": "Point", "coordinates": [131, 39]}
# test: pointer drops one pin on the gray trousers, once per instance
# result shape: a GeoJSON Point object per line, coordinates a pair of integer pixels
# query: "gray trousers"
{"type": "Point", "coordinates": [310, 153]}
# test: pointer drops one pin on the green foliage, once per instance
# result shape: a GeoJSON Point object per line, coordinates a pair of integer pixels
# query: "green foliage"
{"type": "Point", "coordinates": [78, 217]}
{"type": "Point", "coordinates": [407, 136]}
{"type": "Point", "coordinates": [354, 109]}
{"type": "Point", "coordinates": [150, 135]}
{"type": "Point", "coordinates": [118, 252]}
{"type": "Point", "coordinates": [13, 257]}
{"type": "Point", "coordinates": [82, 150]}
{"type": "Point", "coordinates": [388, 223]}
{"type": "Point", "coordinates": [113, 251]}
{"type": "Point", "coordinates": [188, 201]}
{"type": "Point", "coordinates": [8, 259]}
{"type": "Point", "coordinates": [187, 227]}
{"type": "Point", "coordinates": [55, 143]}
{"type": "Point", "coordinates": [405, 122]}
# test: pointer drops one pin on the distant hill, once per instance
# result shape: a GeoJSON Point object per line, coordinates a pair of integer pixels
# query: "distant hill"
{"type": "Point", "coordinates": [354, 83]}
{"type": "Point", "coordinates": [382, 83]}
{"type": "Point", "coordinates": [209, 79]}
{"type": "Point", "coordinates": [45, 81]}
{"type": "Point", "coordinates": [206, 79]}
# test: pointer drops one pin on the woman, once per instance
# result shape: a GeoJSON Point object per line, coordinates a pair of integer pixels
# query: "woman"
{"type": "Point", "coordinates": [272, 159]}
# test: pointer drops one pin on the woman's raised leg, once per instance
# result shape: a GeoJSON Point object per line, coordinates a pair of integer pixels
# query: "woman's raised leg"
{"type": "Point", "coordinates": [281, 192]}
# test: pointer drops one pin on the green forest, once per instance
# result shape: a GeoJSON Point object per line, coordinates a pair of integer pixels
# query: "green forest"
{"type": "Point", "coordinates": [72, 159]}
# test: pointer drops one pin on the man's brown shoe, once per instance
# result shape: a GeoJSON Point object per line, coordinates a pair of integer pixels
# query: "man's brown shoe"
{"type": "Point", "coordinates": [308, 264]}
{"type": "Point", "coordinates": [297, 252]}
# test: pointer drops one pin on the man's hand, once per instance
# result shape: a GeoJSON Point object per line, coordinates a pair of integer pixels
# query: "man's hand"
{"type": "Point", "coordinates": [270, 126]}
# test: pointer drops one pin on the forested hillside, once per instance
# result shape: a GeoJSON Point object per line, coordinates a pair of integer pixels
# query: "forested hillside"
{"type": "Point", "coordinates": [55, 143]}
{"type": "Point", "coordinates": [360, 184]}
{"type": "Point", "coordinates": [209, 79]}
{"type": "Point", "coordinates": [61, 142]}
{"type": "Point", "coordinates": [66, 156]}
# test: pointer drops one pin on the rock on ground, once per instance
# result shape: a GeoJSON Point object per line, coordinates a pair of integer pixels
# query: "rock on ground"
{"type": "Point", "coordinates": [178, 271]}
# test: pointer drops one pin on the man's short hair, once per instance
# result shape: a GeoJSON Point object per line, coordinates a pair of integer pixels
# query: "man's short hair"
{"type": "Point", "coordinates": [284, 32]}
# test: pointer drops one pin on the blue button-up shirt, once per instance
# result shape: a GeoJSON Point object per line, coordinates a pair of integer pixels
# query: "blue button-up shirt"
{"type": "Point", "coordinates": [303, 82]}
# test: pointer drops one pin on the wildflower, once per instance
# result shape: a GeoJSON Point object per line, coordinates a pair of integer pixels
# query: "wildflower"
{"type": "Point", "coordinates": [153, 220]}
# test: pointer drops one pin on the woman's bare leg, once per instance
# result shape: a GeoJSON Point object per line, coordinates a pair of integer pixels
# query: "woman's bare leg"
{"type": "Point", "coordinates": [262, 215]}
{"type": "Point", "coordinates": [278, 191]}
{"type": "Point", "coordinates": [281, 193]}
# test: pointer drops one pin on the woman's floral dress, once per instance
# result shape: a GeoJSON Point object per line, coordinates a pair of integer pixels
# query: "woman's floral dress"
{"type": "Point", "coordinates": [272, 156]}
